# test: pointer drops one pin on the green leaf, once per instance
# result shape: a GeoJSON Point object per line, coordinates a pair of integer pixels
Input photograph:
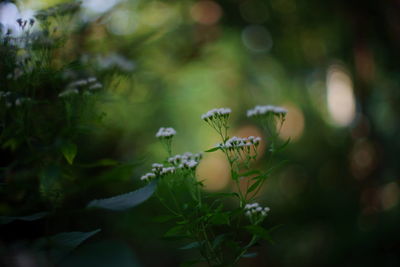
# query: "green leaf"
{"type": "Point", "coordinates": [69, 151]}
{"type": "Point", "coordinates": [234, 175]}
{"type": "Point", "coordinates": [212, 149]}
{"type": "Point", "coordinates": [191, 245]}
{"type": "Point", "coordinates": [33, 217]}
{"type": "Point", "coordinates": [60, 245]}
{"type": "Point", "coordinates": [250, 173]}
{"type": "Point", "coordinates": [176, 231]}
{"type": "Point", "coordinates": [254, 186]}
{"type": "Point", "coordinates": [250, 255]}
{"type": "Point", "coordinates": [283, 146]}
{"type": "Point", "coordinates": [259, 232]}
{"type": "Point", "coordinates": [125, 201]}
{"type": "Point", "coordinates": [218, 240]}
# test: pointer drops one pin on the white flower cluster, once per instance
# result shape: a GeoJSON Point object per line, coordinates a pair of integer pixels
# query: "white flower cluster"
{"type": "Point", "coordinates": [254, 210]}
{"type": "Point", "coordinates": [165, 133]}
{"type": "Point", "coordinates": [216, 113]}
{"type": "Point", "coordinates": [11, 99]}
{"type": "Point", "coordinates": [266, 110]}
{"type": "Point", "coordinates": [75, 87]}
{"type": "Point", "coordinates": [148, 176]}
{"type": "Point", "coordinates": [186, 161]}
{"type": "Point", "coordinates": [158, 170]}
{"type": "Point", "coordinates": [239, 142]}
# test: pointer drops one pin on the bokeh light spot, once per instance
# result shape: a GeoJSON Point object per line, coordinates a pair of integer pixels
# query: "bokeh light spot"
{"type": "Point", "coordinates": [390, 195]}
{"type": "Point", "coordinates": [293, 127]}
{"type": "Point", "coordinates": [257, 38]}
{"type": "Point", "coordinates": [340, 96]}
{"type": "Point", "coordinates": [214, 171]}
{"type": "Point", "coordinates": [122, 22]}
{"type": "Point", "coordinates": [206, 12]}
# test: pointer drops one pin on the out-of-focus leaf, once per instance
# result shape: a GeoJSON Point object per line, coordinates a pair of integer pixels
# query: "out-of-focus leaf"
{"type": "Point", "coordinates": [125, 201]}
{"type": "Point", "coordinates": [175, 232]}
{"type": "Point", "coordinates": [69, 151]}
{"type": "Point", "coordinates": [191, 245]}
{"type": "Point", "coordinates": [259, 232]}
{"type": "Point", "coordinates": [283, 146]}
{"type": "Point", "coordinates": [60, 245]}
{"type": "Point", "coordinates": [33, 217]}
{"type": "Point", "coordinates": [250, 255]}
{"type": "Point", "coordinates": [218, 240]}
{"type": "Point", "coordinates": [50, 182]}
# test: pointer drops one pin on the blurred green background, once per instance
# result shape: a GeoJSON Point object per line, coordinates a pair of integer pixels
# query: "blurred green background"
{"type": "Point", "coordinates": [333, 64]}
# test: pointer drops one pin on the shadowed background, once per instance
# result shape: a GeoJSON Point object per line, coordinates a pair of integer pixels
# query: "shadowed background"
{"type": "Point", "coordinates": [332, 64]}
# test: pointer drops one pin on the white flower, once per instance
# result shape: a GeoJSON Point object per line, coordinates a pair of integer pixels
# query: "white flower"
{"type": "Point", "coordinates": [265, 110]}
{"type": "Point", "coordinates": [91, 79]}
{"type": "Point", "coordinates": [8, 17]}
{"type": "Point", "coordinates": [167, 170]}
{"type": "Point", "coordinates": [240, 142]}
{"type": "Point", "coordinates": [255, 211]}
{"type": "Point", "coordinates": [187, 160]}
{"type": "Point", "coordinates": [190, 164]}
{"type": "Point", "coordinates": [165, 133]}
{"type": "Point", "coordinates": [95, 86]}
{"type": "Point", "coordinates": [68, 92]}
{"type": "Point", "coordinates": [21, 100]}
{"type": "Point", "coordinates": [148, 176]}
{"type": "Point", "coordinates": [216, 113]}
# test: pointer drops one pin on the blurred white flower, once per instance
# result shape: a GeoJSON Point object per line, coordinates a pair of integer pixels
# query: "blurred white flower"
{"type": "Point", "coordinates": [165, 132]}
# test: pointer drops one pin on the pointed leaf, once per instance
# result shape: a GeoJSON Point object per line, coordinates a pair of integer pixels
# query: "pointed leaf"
{"type": "Point", "coordinates": [191, 245]}
{"type": "Point", "coordinates": [125, 201]}
{"type": "Point", "coordinates": [212, 149]}
{"type": "Point", "coordinates": [60, 245]}
{"type": "Point", "coordinates": [69, 151]}
{"type": "Point", "coordinates": [250, 255]}
{"type": "Point", "coordinates": [254, 186]}
{"type": "Point", "coordinates": [33, 217]}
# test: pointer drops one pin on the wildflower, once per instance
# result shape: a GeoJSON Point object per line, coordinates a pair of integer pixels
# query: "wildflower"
{"type": "Point", "coordinates": [148, 176]}
{"type": "Point", "coordinates": [259, 111]}
{"type": "Point", "coordinates": [165, 133]}
{"type": "Point", "coordinates": [217, 118]}
{"type": "Point", "coordinates": [68, 92]}
{"type": "Point", "coordinates": [95, 86]}
{"type": "Point", "coordinates": [187, 160]}
{"type": "Point", "coordinates": [216, 113]}
{"type": "Point", "coordinates": [255, 212]}
{"type": "Point", "coordinates": [21, 100]}
{"type": "Point", "coordinates": [167, 170]}
{"type": "Point", "coordinates": [157, 168]}
{"type": "Point", "coordinates": [91, 79]}
{"type": "Point", "coordinates": [240, 143]}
